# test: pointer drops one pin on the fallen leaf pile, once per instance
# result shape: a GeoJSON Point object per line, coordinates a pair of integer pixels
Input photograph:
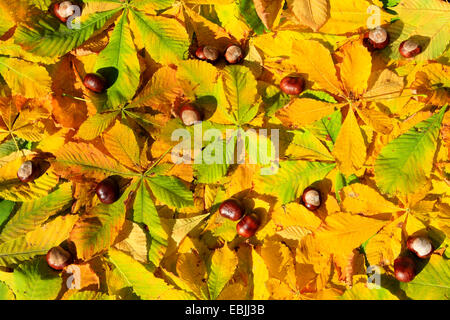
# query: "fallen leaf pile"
{"type": "Point", "coordinates": [370, 131]}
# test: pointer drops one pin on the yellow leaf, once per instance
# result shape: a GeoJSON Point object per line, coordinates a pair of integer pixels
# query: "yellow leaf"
{"type": "Point", "coordinates": [303, 111]}
{"type": "Point", "coordinates": [135, 243]}
{"type": "Point", "coordinates": [350, 147]}
{"type": "Point", "coordinates": [260, 277]}
{"type": "Point", "coordinates": [268, 11]}
{"type": "Point", "coordinates": [312, 58]}
{"type": "Point", "coordinates": [122, 144]}
{"type": "Point", "coordinates": [223, 264]}
{"type": "Point", "coordinates": [312, 13]}
{"type": "Point", "coordinates": [355, 68]}
{"type": "Point", "coordinates": [360, 198]}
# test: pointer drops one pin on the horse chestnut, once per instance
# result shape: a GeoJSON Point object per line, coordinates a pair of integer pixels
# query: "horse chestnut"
{"type": "Point", "coordinates": [207, 53]}
{"type": "Point", "coordinates": [409, 49]}
{"type": "Point", "coordinates": [189, 115]}
{"type": "Point", "coordinates": [28, 171]}
{"type": "Point", "coordinates": [248, 225]}
{"type": "Point", "coordinates": [404, 269]}
{"type": "Point", "coordinates": [231, 209]}
{"type": "Point", "coordinates": [58, 258]}
{"type": "Point", "coordinates": [376, 39]}
{"type": "Point", "coordinates": [421, 246]}
{"type": "Point", "coordinates": [234, 54]}
{"type": "Point", "coordinates": [292, 85]}
{"type": "Point", "coordinates": [311, 198]}
{"type": "Point", "coordinates": [94, 82]}
{"type": "Point", "coordinates": [63, 10]}
{"type": "Point", "coordinates": [108, 191]}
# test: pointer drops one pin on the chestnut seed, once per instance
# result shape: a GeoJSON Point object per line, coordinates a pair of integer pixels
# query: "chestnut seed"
{"type": "Point", "coordinates": [409, 49]}
{"type": "Point", "coordinates": [208, 53]}
{"type": "Point", "coordinates": [311, 198]}
{"type": "Point", "coordinates": [95, 82]}
{"type": "Point", "coordinates": [28, 171]}
{"type": "Point", "coordinates": [421, 246]}
{"type": "Point", "coordinates": [107, 191]}
{"type": "Point", "coordinates": [63, 10]}
{"type": "Point", "coordinates": [231, 209]}
{"type": "Point", "coordinates": [376, 39]}
{"type": "Point", "coordinates": [292, 85]}
{"type": "Point", "coordinates": [58, 258]}
{"type": "Point", "coordinates": [248, 226]}
{"type": "Point", "coordinates": [234, 54]}
{"type": "Point", "coordinates": [404, 269]}
{"type": "Point", "coordinates": [189, 115]}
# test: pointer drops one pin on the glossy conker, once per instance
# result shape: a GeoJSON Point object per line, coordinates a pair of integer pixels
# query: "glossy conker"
{"type": "Point", "coordinates": [409, 49]}
{"type": "Point", "coordinates": [231, 209]}
{"type": "Point", "coordinates": [108, 191]}
{"type": "Point", "coordinates": [28, 171]}
{"type": "Point", "coordinates": [63, 10]}
{"type": "Point", "coordinates": [207, 53]}
{"type": "Point", "coordinates": [421, 246]}
{"type": "Point", "coordinates": [58, 258]}
{"type": "Point", "coordinates": [248, 226]}
{"type": "Point", "coordinates": [311, 198]}
{"type": "Point", "coordinates": [234, 54]}
{"type": "Point", "coordinates": [404, 269]}
{"type": "Point", "coordinates": [292, 85]}
{"type": "Point", "coordinates": [189, 114]}
{"type": "Point", "coordinates": [376, 39]}
{"type": "Point", "coordinates": [95, 82]}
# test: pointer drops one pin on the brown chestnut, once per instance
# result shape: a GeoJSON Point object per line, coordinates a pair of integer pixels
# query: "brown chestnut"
{"type": "Point", "coordinates": [189, 114]}
{"type": "Point", "coordinates": [231, 209]}
{"type": "Point", "coordinates": [409, 49]}
{"type": "Point", "coordinates": [58, 258]}
{"type": "Point", "coordinates": [421, 246]}
{"type": "Point", "coordinates": [404, 269]}
{"type": "Point", "coordinates": [95, 82]}
{"type": "Point", "coordinates": [292, 85]}
{"type": "Point", "coordinates": [208, 53]}
{"type": "Point", "coordinates": [248, 226]}
{"type": "Point", "coordinates": [63, 10]}
{"type": "Point", "coordinates": [376, 39]}
{"type": "Point", "coordinates": [108, 191]}
{"type": "Point", "coordinates": [28, 171]}
{"type": "Point", "coordinates": [311, 198]}
{"type": "Point", "coordinates": [234, 54]}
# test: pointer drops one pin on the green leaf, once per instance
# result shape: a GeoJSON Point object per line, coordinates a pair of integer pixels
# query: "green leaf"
{"type": "Point", "coordinates": [308, 147]}
{"type": "Point", "coordinates": [52, 39]}
{"type": "Point", "coordinates": [171, 191]}
{"type": "Point", "coordinates": [293, 177]}
{"type": "Point", "coordinates": [142, 281]}
{"type": "Point", "coordinates": [432, 282]}
{"type": "Point", "coordinates": [164, 39]}
{"type": "Point", "coordinates": [6, 207]}
{"type": "Point", "coordinates": [248, 11]}
{"type": "Point", "coordinates": [34, 213]}
{"type": "Point", "coordinates": [34, 280]}
{"type": "Point", "coordinates": [144, 211]}
{"type": "Point", "coordinates": [240, 93]}
{"type": "Point", "coordinates": [405, 163]}
{"type": "Point", "coordinates": [5, 292]}
{"type": "Point", "coordinates": [327, 129]}
{"type": "Point", "coordinates": [119, 63]}
{"type": "Point", "coordinates": [220, 270]}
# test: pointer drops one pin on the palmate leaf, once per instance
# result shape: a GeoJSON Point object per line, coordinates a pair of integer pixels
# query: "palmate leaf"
{"type": "Point", "coordinates": [164, 39]}
{"type": "Point", "coordinates": [293, 177]}
{"type": "Point", "coordinates": [52, 39]}
{"type": "Point", "coordinates": [34, 213]}
{"type": "Point", "coordinates": [119, 62]}
{"type": "Point", "coordinates": [404, 164]}
{"type": "Point", "coordinates": [36, 242]}
{"type": "Point", "coordinates": [142, 281]}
